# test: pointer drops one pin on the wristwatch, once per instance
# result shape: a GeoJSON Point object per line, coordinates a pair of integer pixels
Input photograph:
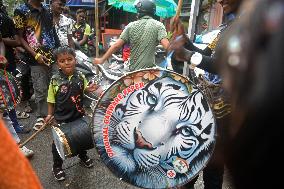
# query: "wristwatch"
{"type": "Point", "coordinates": [195, 60]}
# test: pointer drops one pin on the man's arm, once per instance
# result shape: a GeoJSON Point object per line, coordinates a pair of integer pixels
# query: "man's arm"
{"type": "Point", "coordinates": [12, 42]}
{"type": "Point", "coordinates": [87, 33]}
{"type": "Point", "coordinates": [2, 46]}
{"type": "Point", "coordinates": [40, 58]}
{"type": "Point", "coordinates": [70, 41]}
{"type": "Point", "coordinates": [165, 43]}
{"type": "Point", "coordinates": [115, 47]}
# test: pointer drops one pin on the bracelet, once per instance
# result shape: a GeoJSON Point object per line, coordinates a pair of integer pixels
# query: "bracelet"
{"type": "Point", "coordinates": [37, 56]}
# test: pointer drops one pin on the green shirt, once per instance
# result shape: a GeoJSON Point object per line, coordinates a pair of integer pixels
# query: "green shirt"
{"type": "Point", "coordinates": [143, 36]}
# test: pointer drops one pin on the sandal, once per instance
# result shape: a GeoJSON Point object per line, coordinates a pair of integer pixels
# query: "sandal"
{"type": "Point", "coordinates": [22, 115]}
{"type": "Point", "coordinates": [39, 123]}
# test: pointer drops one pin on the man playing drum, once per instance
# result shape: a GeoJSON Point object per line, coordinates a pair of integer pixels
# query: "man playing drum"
{"type": "Point", "coordinates": [211, 85]}
{"type": "Point", "coordinates": [65, 101]}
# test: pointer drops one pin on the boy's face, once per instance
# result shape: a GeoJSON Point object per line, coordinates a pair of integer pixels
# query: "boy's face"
{"type": "Point", "coordinates": [229, 6]}
{"type": "Point", "coordinates": [66, 62]}
{"type": "Point", "coordinates": [81, 17]}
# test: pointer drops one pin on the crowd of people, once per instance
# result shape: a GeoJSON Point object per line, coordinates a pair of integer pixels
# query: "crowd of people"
{"type": "Point", "coordinates": [243, 63]}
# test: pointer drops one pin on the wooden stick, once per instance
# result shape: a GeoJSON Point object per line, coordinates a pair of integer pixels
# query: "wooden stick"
{"type": "Point", "coordinates": [97, 26]}
{"type": "Point", "coordinates": [40, 129]}
{"type": "Point", "coordinates": [179, 8]}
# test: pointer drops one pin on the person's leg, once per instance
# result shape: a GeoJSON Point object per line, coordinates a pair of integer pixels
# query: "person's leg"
{"type": "Point", "coordinates": [57, 170]}
{"type": "Point", "coordinates": [40, 84]}
{"type": "Point", "coordinates": [57, 161]}
{"type": "Point", "coordinates": [214, 171]}
{"type": "Point", "coordinates": [8, 123]}
{"type": "Point", "coordinates": [88, 162]}
{"type": "Point", "coordinates": [17, 126]}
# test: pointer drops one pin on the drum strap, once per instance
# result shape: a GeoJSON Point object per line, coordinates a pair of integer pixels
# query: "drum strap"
{"type": "Point", "coordinates": [3, 98]}
{"type": "Point", "coordinates": [10, 88]}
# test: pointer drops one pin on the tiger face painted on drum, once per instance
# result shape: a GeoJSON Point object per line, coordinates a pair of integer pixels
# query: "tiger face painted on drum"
{"type": "Point", "coordinates": [158, 136]}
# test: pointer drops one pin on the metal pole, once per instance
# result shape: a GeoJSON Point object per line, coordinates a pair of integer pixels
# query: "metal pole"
{"type": "Point", "coordinates": [97, 27]}
{"type": "Point", "coordinates": [194, 10]}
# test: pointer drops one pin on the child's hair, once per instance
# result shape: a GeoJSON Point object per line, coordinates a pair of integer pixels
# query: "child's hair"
{"type": "Point", "coordinates": [63, 50]}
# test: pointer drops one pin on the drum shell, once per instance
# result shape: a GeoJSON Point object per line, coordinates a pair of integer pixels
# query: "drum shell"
{"type": "Point", "coordinates": [72, 138]}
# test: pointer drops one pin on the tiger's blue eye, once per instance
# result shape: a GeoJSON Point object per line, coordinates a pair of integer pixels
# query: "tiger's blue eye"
{"type": "Point", "coordinates": [152, 100]}
{"type": "Point", "coordinates": [184, 130]}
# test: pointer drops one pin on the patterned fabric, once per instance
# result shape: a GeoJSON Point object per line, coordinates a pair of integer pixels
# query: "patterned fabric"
{"type": "Point", "coordinates": [64, 28]}
{"type": "Point", "coordinates": [216, 79]}
{"type": "Point", "coordinates": [143, 36]}
{"type": "Point", "coordinates": [38, 29]}
{"type": "Point", "coordinates": [67, 95]}
{"type": "Point", "coordinates": [79, 31]}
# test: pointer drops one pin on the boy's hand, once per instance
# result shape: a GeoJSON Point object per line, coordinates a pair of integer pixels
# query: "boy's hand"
{"type": "Point", "coordinates": [92, 87]}
{"type": "Point", "coordinates": [47, 118]}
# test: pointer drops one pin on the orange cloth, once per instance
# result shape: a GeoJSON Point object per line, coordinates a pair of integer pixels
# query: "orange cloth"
{"type": "Point", "coordinates": [15, 170]}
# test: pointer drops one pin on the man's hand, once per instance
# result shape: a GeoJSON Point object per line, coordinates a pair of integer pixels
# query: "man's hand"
{"type": "Point", "coordinates": [42, 60]}
{"type": "Point", "coordinates": [98, 61]}
{"type": "Point", "coordinates": [180, 53]}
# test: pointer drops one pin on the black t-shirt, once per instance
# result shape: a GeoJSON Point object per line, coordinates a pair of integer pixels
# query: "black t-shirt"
{"type": "Point", "coordinates": [69, 97]}
{"type": "Point", "coordinates": [7, 29]}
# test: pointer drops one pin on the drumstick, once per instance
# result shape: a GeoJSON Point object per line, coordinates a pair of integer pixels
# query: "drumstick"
{"type": "Point", "coordinates": [179, 8]}
{"type": "Point", "coordinates": [40, 129]}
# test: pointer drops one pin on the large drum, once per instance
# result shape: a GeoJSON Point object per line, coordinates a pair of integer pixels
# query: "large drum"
{"type": "Point", "coordinates": [73, 137]}
{"type": "Point", "coordinates": [154, 129]}
{"type": "Point", "coordinates": [10, 92]}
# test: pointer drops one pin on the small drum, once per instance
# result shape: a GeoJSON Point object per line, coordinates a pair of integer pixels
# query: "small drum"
{"type": "Point", "coordinates": [73, 137]}
{"type": "Point", "coordinates": [10, 92]}
{"type": "Point", "coordinates": [154, 129]}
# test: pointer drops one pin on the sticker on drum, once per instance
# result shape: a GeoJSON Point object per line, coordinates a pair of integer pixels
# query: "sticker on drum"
{"type": "Point", "coordinates": [154, 129]}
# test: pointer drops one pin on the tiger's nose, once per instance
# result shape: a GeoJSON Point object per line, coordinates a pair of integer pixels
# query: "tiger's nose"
{"type": "Point", "coordinates": [140, 141]}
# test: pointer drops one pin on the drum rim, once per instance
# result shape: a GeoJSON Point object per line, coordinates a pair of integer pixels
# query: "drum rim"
{"type": "Point", "coordinates": [66, 147]}
{"type": "Point", "coordinates": [112, 169]}
{"type": "Point", "coordinates": [153, 68]}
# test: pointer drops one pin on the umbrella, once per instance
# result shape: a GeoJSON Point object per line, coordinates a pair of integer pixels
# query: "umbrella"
{"type": "Point", "coordinates": [164, 8]}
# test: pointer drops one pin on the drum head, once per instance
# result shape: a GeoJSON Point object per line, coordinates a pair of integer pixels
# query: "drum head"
{"type": "Point", "coordinates": [154, 129]}
{"type": "Point", "coordinates": [10, 93]}
{"type": "Point", "coordinates": [59, 141]}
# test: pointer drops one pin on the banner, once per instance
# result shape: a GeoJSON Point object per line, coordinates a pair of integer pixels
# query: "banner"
{"type": "Point", "coordinates": [80, 3]}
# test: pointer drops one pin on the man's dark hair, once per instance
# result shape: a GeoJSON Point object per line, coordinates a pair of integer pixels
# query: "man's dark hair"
{"type": "Point", "coordinates": [81, 11]}
{"type": "Point", "coordinates": [63, 1]}
{"type": "Point", "coordinates": [63, 50]}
